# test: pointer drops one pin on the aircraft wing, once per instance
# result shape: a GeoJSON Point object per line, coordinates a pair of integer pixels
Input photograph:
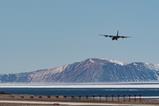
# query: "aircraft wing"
{"type": "Point", "coordinates": [107, 35]}
{"type": "Point", "coordinates": [124, 36]}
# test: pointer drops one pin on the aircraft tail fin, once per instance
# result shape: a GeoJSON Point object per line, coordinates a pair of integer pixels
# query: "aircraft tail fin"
{"type": "Point", "coordinates": [117, 33]}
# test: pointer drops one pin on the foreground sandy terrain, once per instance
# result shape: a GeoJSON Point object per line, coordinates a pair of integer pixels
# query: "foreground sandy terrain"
{"type": "Point", "coordinates": [39, 103]}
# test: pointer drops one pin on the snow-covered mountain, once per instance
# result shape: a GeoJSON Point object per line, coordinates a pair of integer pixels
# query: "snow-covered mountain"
{"type": "Point", "coordinates": [90, 70]}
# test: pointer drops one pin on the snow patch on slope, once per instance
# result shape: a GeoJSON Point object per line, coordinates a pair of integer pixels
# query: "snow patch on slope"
{"type": "Point", "coordinates": [152, 66]}
{"type": "Point", "coordinates": [117, 62]}
{"type": "Point", "coordinates": [58, 69]}
{"type": "Point", "coordinates": [91, 60]}
{"type": "Point", "coordinates": [46, 74]}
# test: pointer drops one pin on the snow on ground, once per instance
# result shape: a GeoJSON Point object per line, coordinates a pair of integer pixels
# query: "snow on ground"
{"type": "Point", "coordinates": [86, 85]}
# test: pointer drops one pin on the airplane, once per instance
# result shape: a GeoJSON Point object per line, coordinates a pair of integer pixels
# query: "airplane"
{"type": "Point", "coordinates": [115, 37]}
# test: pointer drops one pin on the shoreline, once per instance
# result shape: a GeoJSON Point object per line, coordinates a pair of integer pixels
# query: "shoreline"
{"type": "Point", "coordinates": [98, 100]}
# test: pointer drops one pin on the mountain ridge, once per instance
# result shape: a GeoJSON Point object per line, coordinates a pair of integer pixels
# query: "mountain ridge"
{"type": "Point", "coordinates": [89, 70]}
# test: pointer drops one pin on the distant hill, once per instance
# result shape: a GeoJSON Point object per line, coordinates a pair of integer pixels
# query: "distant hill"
{"type": "Point", "coordinates": [89, 70]}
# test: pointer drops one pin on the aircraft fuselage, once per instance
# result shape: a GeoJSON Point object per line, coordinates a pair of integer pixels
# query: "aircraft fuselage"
{"type": "Point", "coordinates": [115, 38]}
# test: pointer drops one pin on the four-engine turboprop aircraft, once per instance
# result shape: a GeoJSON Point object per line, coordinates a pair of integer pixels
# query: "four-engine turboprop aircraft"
{"type": "Point", "coordinates": [115, 37]}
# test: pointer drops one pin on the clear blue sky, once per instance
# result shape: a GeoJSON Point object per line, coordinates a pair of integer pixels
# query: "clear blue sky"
{"type": "Point", "coordinates": [37, 34]}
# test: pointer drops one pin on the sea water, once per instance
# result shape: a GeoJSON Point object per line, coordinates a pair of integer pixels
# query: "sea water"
{"type": "Point", "coordinates": [144, 92]}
